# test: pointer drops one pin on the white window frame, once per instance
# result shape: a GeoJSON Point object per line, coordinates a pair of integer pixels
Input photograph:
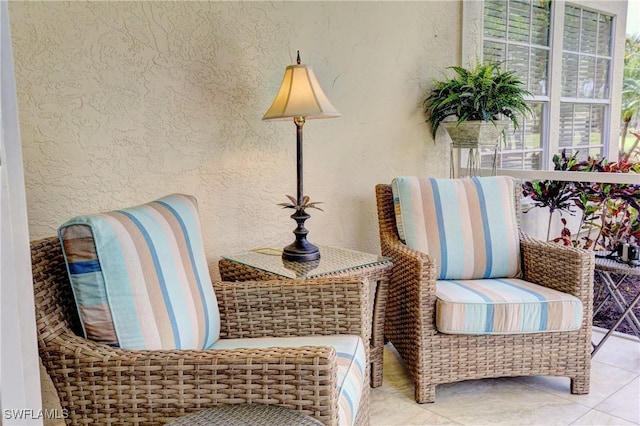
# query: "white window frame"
{"type": "Point", "coordinates": [472, 43]}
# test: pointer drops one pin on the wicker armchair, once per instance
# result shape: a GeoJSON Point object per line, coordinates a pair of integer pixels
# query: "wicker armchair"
{"type": "Point", "coordinates": [433, 358]}
{"type": "Point", "coordinates": [102, 384]}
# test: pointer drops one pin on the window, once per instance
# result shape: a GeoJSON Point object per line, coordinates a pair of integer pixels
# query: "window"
{"type": "Point", "coordinates": [564, 54]}
{"type": "Point", "coordinates": [586, 60]}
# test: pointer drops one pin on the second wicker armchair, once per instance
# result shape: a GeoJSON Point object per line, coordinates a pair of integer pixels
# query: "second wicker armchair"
{"type": "Point", "coordinates": [448, 326]}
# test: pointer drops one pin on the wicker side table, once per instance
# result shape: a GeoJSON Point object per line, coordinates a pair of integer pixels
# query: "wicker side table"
{"type": "Point", "coordinates": [268, 265]}
{"type": "Point", "coordinates": [246, 415]}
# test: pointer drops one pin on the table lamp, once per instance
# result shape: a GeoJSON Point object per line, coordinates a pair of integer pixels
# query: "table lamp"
{"type": "Point", "coordinates": [300, 98]}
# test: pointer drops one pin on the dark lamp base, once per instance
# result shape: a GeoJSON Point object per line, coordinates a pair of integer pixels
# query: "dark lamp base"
{"type": "Point", "coordinates": [301, 251]}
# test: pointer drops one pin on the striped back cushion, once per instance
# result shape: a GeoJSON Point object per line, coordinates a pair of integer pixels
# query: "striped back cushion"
{"type": "Point", "coordinates": [140, 277]}
{"type": "Point", "coordinates": [468, 225]}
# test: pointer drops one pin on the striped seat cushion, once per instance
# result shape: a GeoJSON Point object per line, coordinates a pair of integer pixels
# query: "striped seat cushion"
{"type": "Point", "coordinates": [504, 306]}
{"type": "Point", "coordinates": [351, 364]}
{"type": "Point", "coordinates": [140, 277]}
{"type": "Point", "coordinates": [468, 225]}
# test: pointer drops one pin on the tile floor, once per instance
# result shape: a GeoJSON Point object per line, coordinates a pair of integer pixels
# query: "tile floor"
{"type": "Point", "coordinates": [614, 398]}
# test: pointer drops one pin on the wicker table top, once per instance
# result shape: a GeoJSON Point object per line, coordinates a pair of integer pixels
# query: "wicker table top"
{"type": "Point", "coordinates": [612, 265]}
{"type": "Point", "coordinates": [332, 260]}
{"type": "Point", "coordinates": [246, 415]}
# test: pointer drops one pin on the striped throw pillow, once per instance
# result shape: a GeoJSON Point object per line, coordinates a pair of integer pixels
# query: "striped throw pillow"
{"type": "Point", "coordinates": [468, 225]}
{"type": "Point", "coordinates": [140, 277]}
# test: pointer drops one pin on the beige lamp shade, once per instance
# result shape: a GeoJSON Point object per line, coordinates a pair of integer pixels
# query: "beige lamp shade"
{"type": "Point", "coordinates": [300, 95]}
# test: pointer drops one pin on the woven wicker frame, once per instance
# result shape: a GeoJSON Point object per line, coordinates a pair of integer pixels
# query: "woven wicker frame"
{"type": "Point", "coordinates": [101, 384]}
{"type": "Point", "coordinates": [378, 273]}
{"type": "Point", "coordinates": [434, 358]}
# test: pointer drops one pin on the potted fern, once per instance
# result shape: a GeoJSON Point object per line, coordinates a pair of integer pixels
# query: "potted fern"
{"type": "Point", "coordinates": [475, 106]}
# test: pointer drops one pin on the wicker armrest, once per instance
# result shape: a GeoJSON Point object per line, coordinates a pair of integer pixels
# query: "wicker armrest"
{"type": "Point", "coordinates": [414, 264]}
{"type": "Point", "coordinates": [563, 268]}
{"type": "Point", "coordinates": [164, 384]}
{"type": "Point", "coordinates": [320, 306]}
{"type": "Point", "coordinates": [412, 288]}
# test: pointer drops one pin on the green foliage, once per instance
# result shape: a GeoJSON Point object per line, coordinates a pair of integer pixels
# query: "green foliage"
{"type": "Point", "coordinates": [609, 211]}
{"type": "Point", "coordinates": [484, 92]}
{"type": "Point", "coordinates": [630, 84]}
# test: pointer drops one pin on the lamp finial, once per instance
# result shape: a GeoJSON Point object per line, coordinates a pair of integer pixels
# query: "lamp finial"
{"type": "Point", "coordinates": [298, 60]}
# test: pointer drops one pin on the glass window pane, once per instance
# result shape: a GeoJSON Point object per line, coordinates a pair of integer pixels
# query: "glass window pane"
{"type": "Point", "coordinates": [571, 37]}
{"type": "Point", "coordinates": [602, 78]}
{"type": "Point", "coordinates": [595, 152]}
{"type": "Point", "coordinates": [495, 19]}
{"type": "Point", "coordinates": [533, 127]}
{"type": "Point", "coordinates": [494, 52]}
{"type": "Point", "coordinates": [570, 75]}
{"type": "Point", "coordinates": [513, 139]}
{"type": "Point", "coordinates": [518, 61]}
{"type": "Point", "coordinates": [581, 127]}
{"type": "Point", "coordinates": [533, 160]}
{"type": "Point", "coordinates": [540, 23]}
{"type": "Point", "coordinates": [605, 25]}
{"type": "Point", "coordinates": [565, 136]}
{"type": "Point", "coordinates": [487, 151]}
{"type": "Point", "coordinates": [589, 33]}
{"type": "Point", "coordinates": [486, 160]}
{"type": "Point", "coordinates": [587, 77]}
{"type": "Point", "coordinates": [539, 72]}
{"type": "Point", "coordinates": [508, 142]}
{"type": "Point", "coordinates": [519, 20]}
{"type": "Point", "coordinates": [596, 118]}
{"type": "Point", "coordinates": [581, 154]}
{"type": "Point", "coordinates": [512, 160]}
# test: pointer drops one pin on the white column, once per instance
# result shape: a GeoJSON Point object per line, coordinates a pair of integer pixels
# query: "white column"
{"type": "Point", "coordinates": [20, 399]}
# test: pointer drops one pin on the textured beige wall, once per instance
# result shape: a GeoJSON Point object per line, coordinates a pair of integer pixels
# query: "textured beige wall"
{"type": "Point", "coordinates": [123, 102]}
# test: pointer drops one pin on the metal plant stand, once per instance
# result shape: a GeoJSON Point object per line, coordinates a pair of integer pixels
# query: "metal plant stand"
{"type": "Point", "coordinates": [604, 268]}
{"type": "Point", "coordinates": [470, 155]}
{"type": "Point", "coordinates": [469, 139]}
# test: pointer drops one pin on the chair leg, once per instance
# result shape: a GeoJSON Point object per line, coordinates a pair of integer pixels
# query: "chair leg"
{"type": "Point", "coordinates": [580, 385]}
{"type": "Point", "coordinates": [425, 393]}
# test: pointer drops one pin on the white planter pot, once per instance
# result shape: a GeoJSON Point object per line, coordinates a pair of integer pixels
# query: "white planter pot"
{"type": "Point", "coordinates": [474, 134]}
{"type": "Point", "coordinates": [468, 139]}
